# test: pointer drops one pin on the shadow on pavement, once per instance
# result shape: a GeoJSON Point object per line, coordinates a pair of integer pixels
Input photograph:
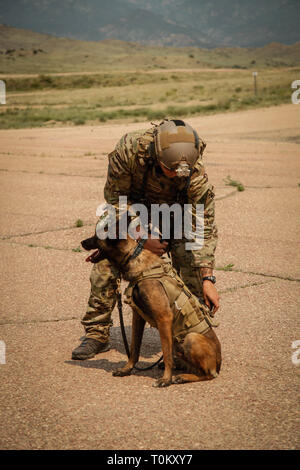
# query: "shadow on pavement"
{"type": "Point", "coordinates": [110, 366]}
{"type": "Point", "coordinates": [150, 350]}
{"type": "Point", "coordinates": [150, 344]}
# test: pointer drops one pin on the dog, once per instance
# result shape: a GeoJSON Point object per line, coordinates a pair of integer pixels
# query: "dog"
{"type": "Point", "coordinates": [199, 353]}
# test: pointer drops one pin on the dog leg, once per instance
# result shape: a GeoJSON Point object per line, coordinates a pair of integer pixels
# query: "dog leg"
{"type": "Point", "coordinates": [153, 301]}
{"type": "Point", "coordinates": [202, 355]}
{"type": "Point", "coordinates": [138, 325]}
{"type": "Point", "coordinates": [164, 325]}
{"type": "Point", "coordinates": [185, 378]}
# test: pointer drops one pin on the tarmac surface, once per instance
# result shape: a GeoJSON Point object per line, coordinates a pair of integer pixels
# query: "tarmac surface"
{"type": "Point", "coordinates": [52, 177]}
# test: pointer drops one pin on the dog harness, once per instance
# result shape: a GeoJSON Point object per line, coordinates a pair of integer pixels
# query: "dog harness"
{"type": "Point", "coordinates": [189, 314]}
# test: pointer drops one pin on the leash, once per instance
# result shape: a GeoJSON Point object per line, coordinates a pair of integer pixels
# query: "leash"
{"type": "Point", "coordinates": [120, 308]}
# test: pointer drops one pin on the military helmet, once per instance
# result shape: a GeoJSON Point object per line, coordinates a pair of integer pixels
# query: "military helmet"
{"type": "Point", "coordinates": [177, 146]}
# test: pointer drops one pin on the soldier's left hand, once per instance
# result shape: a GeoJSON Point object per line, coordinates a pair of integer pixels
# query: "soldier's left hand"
{"type": "Point", "coordinates": [211, 296]}
{"type": "Point", "coordinates": [156, 246]}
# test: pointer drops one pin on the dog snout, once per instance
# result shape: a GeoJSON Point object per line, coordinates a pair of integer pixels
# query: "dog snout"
{"type": "Point", "coordinates": [90, 243]}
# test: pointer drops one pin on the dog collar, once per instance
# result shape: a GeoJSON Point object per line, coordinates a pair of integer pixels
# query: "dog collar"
{"type": "Point", "coordinates": [136, 252]}
{"type": "Point", "coordinates": [138, 249]}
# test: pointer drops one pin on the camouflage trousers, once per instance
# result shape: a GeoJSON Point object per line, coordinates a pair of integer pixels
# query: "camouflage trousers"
{"type": "Point", "coordinates": [98, 319]}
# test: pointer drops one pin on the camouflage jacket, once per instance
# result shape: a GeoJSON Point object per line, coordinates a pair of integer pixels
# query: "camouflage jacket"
{"type": "Point", "coordinates": [128, 164]}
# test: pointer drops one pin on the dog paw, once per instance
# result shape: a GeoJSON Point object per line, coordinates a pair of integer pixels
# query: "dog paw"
{"type": "Point", "coordinates": [162, 383]}
{"type": "Point", "coordinates": [177, 379]}
{"type": "Point", "coordinates": [121, 372]}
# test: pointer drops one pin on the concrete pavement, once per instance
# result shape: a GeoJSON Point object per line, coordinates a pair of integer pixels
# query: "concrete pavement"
{"type": "Point", "coordinates": [50, 178]}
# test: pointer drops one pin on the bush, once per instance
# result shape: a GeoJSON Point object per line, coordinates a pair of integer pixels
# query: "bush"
{"type": "Point", "coordinates": [78, 223]}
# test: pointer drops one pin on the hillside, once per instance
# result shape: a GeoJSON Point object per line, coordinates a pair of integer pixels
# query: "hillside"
{"type": "Point", "coordinates": [23, 51]}
{"type": "Point", "coordinates": [201, 23]}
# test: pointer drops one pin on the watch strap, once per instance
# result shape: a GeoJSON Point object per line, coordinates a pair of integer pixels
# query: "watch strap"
{"type": "Point", "coordinates": [210, 278]}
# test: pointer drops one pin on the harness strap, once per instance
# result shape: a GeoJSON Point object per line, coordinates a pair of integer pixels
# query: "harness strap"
{"type": "Point", "coordinates": [202, 327]}
{"type": "Point", "coordinates": [189, 315]}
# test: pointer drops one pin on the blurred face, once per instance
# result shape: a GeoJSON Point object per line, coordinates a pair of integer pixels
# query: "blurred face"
{"type": "Point", "coordinates": [167, 172]}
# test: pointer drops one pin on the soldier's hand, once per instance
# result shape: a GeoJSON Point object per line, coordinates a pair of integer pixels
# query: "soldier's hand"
{"type": "Point", "coordinates": [156, 246]}
{"type": "Point", "coordinates": [211, 296]}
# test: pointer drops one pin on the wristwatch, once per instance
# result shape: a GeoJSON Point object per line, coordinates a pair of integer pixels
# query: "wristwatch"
{"type": "Point", "coordinates": [210, 278]}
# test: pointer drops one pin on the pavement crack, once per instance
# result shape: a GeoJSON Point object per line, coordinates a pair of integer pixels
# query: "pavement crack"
{"type": "Point", "coordinates": [8, 237]}
{"type": "Point", "coordinates": [244, 286]}
{"type": "Point", "coordinates": [277, 276]}
{"type": "Point", "coordinates": [232, 193]}
{"type": "Point", "coordinates": [32, 322]}
{"type": "Point", "coordinates": [50, 174]}
{"type": "Point", "coordinates": [78, 250]}
{"type": "Point", "coordinates": [46, 247]}
{"type": "Point", "coordinates": [270, 187]}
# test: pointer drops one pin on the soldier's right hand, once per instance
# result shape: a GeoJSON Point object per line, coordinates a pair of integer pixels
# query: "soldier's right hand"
{"type": "Point", "coordinates": [156, 246]}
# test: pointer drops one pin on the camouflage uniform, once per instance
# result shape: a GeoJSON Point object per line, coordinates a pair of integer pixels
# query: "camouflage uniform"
{"type": "Point", "coordinates": [128, 164]}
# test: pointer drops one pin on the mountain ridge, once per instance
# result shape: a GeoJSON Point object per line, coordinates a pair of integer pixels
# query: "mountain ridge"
{"type": "Point", "coordinates": [24, 51]}
{"type": "Point", "coordinates": [201, 23]}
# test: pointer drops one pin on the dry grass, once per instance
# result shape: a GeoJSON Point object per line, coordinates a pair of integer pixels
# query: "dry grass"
{"type": "Point", "coordinates": [135, 82]}
{"type": "Point", "coordinates": [148, 96]}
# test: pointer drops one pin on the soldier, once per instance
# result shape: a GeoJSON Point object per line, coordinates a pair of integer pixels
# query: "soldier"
{"type": "Point", "coordinates": [160, 165]}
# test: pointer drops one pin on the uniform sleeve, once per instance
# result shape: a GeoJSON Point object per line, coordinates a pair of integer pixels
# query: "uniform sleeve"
{"type": "Point", "coordinates": [118, 182]}
{"type": "Point", "coordinates": [119, 173]}
{"type": "Point", "coordinates": [201, 192]}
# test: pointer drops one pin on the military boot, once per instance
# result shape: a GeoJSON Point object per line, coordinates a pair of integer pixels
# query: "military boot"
{"type": "Point", "coordinates": [89, 348]}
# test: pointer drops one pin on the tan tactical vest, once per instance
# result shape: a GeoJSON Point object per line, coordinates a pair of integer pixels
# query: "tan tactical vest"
{"type": "Point", "coordinates": [189, 314]}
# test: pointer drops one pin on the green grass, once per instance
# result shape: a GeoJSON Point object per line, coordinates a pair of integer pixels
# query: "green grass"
{"type": "Point", "coordinates": [31, 117]}
{"type": "Point", "coordinates": [15, 117]}
{"type": "Point", "coordinates": [228, 267]}
{"type": "Point", "coordinates": [78, 223]}
{"type": "Point", "coordinates": [129, 89]}
{"type": "Point", "coordinates": [236, 184]}
{"type": "Point", "coordinates": [47, 82]}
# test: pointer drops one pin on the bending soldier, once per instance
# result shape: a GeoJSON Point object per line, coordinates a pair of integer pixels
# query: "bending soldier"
{"type": "Point", "coordinates": [162, 165]}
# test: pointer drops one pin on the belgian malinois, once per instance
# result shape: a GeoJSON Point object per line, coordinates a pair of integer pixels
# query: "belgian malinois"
{"type": "Point", "coordinates": [199, 353]}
